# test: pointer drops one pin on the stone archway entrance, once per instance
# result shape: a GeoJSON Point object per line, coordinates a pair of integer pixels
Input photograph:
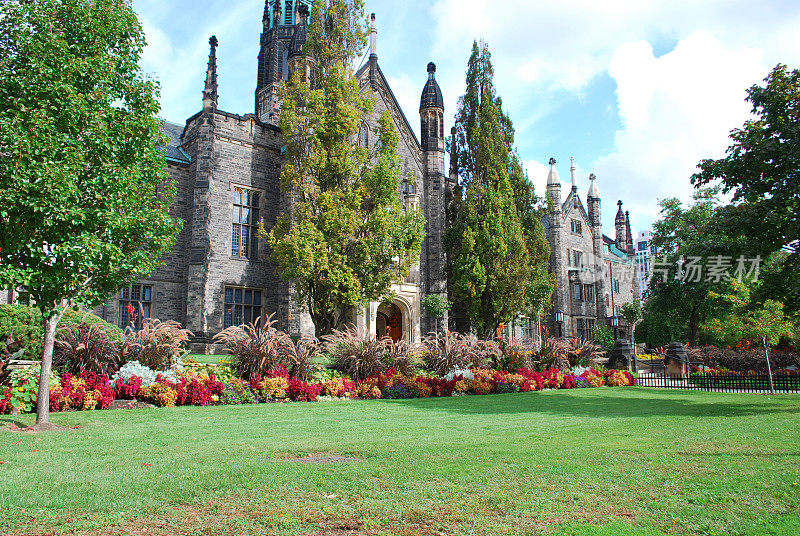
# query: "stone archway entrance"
{"type": "Point", "coordinates": [389, 322]}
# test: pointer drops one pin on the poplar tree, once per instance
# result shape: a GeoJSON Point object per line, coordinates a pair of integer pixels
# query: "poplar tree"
{"type": "Point", "coordinates": [489, 254]}
{"type": "Point", "coordinates": [346, 237]}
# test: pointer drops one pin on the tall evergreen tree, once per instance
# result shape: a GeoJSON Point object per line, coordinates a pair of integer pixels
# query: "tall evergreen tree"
{"type": "Point", "coordinates": [495, 231]}
{"type": "Point", "coordinates": [347, 238]}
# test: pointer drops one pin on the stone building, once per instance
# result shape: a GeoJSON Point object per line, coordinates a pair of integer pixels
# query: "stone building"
{"type": "Point", "coordinates": [595, 274]}
{"type": "Point", "coordinates": [227, 168]}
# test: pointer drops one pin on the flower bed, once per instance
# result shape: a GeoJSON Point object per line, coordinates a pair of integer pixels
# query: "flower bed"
{"type": "Point", "coordinates": [200, 387]}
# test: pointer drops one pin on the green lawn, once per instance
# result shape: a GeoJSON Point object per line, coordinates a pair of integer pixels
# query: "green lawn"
{"type": "Point", "coordinates": [211, 359]}
{"type": "Point", "coordinates": [610, 461]}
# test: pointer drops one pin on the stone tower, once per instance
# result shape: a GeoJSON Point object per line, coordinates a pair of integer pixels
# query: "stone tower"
{"type": "Point", "coordinates": [556, 229]}
{"type": "Point", "coordinates": [594, 212]}
{"type": "Point", "coordinates": [620, 232]}
{"type": "Point", "coordinates": [431, 114]}
{"type": "Point", "coordinates": [279, 22]}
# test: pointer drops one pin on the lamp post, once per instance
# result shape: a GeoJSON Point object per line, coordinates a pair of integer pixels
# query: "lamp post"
{"type": "Point", "coordinates": [560, 322]}
{"type": "Point", "coordinates": [615, 325]}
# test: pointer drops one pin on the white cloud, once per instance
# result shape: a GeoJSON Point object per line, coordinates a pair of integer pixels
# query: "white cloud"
{"type": "Point", "coordinates": [675, 110]}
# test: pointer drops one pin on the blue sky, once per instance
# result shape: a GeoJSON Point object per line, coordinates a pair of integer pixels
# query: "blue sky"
{"type": "Point", "coordinates": [638, 91]}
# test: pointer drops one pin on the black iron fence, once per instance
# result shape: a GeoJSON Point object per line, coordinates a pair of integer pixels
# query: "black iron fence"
{"type": "Point", "coordinates": [785, 382]}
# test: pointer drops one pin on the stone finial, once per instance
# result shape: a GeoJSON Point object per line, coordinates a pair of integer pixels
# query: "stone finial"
{"type": "Point", "coordinates": [431, 69]}
{"type": "Point", "coordinates": [373, 36]}
{"type": "Point", "coordinates": [572, 172]}
{"type": "Point", "coordinates": [210, 95]}
{"type": "Point", "coordinates": [552, 161]}
{"type": "Point", "coordinates": [594, 193]}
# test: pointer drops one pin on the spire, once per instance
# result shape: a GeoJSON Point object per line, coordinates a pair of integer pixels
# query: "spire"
{"type": "Point", "coordinates": [210, 97]}
{"type": "Point", "coordinates": [265, 18]}
{"type": "Point", "coordinates": [628, 234]}
{"type": "Point", "coordinates": [594, 193]}
{"type": "Point", "coordinates": [572, 173]}
{"type": "Point", "coordinates": [373, 53]}
{"type": "Point", "coordinates": [620, 218]}
{"type": "Point", "coordinates": [431, 93]}
{"type": "Point", "coordinates": [373, 36]}
{"type": "Point", "coordinates": [552, 178]}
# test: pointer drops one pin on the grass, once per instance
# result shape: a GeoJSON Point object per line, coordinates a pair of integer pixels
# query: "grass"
{"type": "Point", "coordinates": [611, 461]}
{"type": "Point", "coordinates": [210, 359]}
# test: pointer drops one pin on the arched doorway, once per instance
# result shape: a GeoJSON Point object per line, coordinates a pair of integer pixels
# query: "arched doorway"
{"type": "Point", "coordinates": [389, 322]}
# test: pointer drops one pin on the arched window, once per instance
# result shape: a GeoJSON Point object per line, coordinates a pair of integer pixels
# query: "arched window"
{"type": "Point", "coordinates": [363, 139]}
{"type": "Point", "coordinates": [285, 65]}
{"type": "Point", "coordinates": [434, 128]}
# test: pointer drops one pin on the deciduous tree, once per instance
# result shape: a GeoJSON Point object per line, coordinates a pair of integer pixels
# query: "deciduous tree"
{"type": "Point", "coordinates": [346, 237]}
{"type": "Point", "coordinates": [84, 195]}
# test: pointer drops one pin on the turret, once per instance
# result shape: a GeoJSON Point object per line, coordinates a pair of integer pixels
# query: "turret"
{"type": "Point", "coordinates": [431, 116]}
{"type": "Point", "coordinates": [210, 95]}
{"type": "Point", "coordinates": [619, 229]}
{"type": "Point", "coordinates": [297, 60]}
{"type": "Point", "coordinates": [593, 204]}
{"type": "Point", "coordinates": [554, 187]}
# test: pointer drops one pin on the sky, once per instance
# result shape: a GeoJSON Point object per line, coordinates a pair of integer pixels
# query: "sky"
{"type": "Point", "coordinates": [637, 91]}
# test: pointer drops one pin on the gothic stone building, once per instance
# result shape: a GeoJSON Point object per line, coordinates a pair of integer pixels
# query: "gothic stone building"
{"type": "Point", "coordinates": [227, 170]}
{"type": "Point", "coordinates": [595, 274]}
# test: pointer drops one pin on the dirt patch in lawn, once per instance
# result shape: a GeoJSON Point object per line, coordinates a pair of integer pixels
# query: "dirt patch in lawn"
{"type": "Point", "coordinates": [316, 457]}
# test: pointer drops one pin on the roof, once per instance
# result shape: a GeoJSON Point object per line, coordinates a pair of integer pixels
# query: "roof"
{"type": "Point", "coordinates": [613, 249]}
{"type": "Point", "coordinates": [174, 151]}
{"type": "Point", "coordinates": [431, 93]}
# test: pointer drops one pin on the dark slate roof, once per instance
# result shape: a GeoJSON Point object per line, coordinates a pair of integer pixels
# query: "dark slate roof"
{"type": "Point", "coordinates": [431, 93]}
{"type": "Point", "coordinates": [174, 151]}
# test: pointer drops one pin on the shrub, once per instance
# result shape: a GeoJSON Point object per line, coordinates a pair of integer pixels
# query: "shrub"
{"type": "Point", "coordinates": [513, 356]}
{"type": "Point", "coordinates": [255, 347]}
{"type": "Point", "coordinates": [399, 355]}
{"type": "Point", "coordinates": [274, 388]}
{"type": "Point", "coordinates": [302, 391]}
{"type": "Point", "coordinates": [299, 355]}
{"type": "Point", "coordinates": [131, 369]}
{"type": "Point", "coordinates": [479, 353]}
{"type": "Point", "coordinates": [75, 318]}
{"type": "Point", "coordinates": [21, 328]}
{"type": "Point", "coordinates": [744, 358]}
{"type": "Point", "coordinates": [339, 387]}
{"type": "Point", "coordinates": [158, 345]}
{"type": "Point", "coordinates": [159, 394]}
{"type": "Point", "coordinates": [85, 347]}
{"type": "Point", "coordinates": [443, 352]}
{"type": "Point", "coordinates": [553, 353]}
{"type": "Point", "coordinates": [356, 354]}
{"type": "Point", "coordinates": [603, 336]}
{"type": "Point", "coordinates": [237, 392]}
{"type": "Point", "coordinates": [581, 352]}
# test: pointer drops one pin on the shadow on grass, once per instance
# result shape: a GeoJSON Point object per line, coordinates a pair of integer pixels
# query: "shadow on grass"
{"type": "Point", "coordinates": [605, 404]}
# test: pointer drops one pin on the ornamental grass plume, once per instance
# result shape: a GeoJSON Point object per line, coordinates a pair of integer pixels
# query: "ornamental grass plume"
{"type": "Point", "coordinates": [157, 345]}
{"type": "Point", "coordinates": [299, 355]}
{"type": "Point", "coordinates": [256, 347]}
{"type": "Point", "coordinates": [85, 347]}
{"type": "Point", "coordinates": [356, 353]}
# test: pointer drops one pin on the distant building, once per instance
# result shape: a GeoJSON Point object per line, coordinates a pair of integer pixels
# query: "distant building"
{"type": "Point", "coordinates": [644, 255]}
{"type": "Point", "coordinates": [595, 274]}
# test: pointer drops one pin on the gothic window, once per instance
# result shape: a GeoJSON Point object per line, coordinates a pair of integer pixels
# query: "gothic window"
{"type": "Point", "coordinates": [242, 306]}
{"type": "Point", "coordinates": [137, 298]}
{"type": "Point", "coordinates": [288, 12]}
{"type": "Point", "coordinates": [244, 243]}
{"type": "Point", "coordinates": [434, 129]}
{"type": "Point", "coordinates": [576, 227]}
{"type": "Point", "coordinates": [578, 259]}
{"type": "Point", "coordinates": [409, 186]}
{"type": "Point", "coordinates": [285, 65]}
{"type": "Point", "coordinates": [577, 295]}
{"type": "Point", "coordinates": [362, 135]}
{"type": "Point", "coordinates": [616, 286]}
{"type": "Point", "coordinates": [580, 327]}
{"type": "Point", "coordinates": [588, 292]}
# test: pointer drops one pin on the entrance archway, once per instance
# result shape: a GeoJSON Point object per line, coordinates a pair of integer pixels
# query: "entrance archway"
{"type": "Point", "coordinates": [389, 322]}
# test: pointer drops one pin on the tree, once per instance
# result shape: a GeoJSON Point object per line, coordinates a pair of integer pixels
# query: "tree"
{"type": "Point", "coordinates": [84, 195]}
{"type": "Point", "coordinates": [495, 241]}
{"type": "Point", "coordinates": [436, 306]}
{"type": "Point", "coordinates": [678, 300]}
{"type": "Point", "coordinates": [346, 237]}
{"type": "Point", "coordinates": [632, 312]}
{"type": "Point", "coordinates": [761, 170]}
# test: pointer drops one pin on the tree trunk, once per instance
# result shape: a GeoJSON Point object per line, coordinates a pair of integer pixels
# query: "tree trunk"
{"type": "Point", "coordinates": [769, 367]}
{"type": "Point", "coordinates": [43, 399]}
